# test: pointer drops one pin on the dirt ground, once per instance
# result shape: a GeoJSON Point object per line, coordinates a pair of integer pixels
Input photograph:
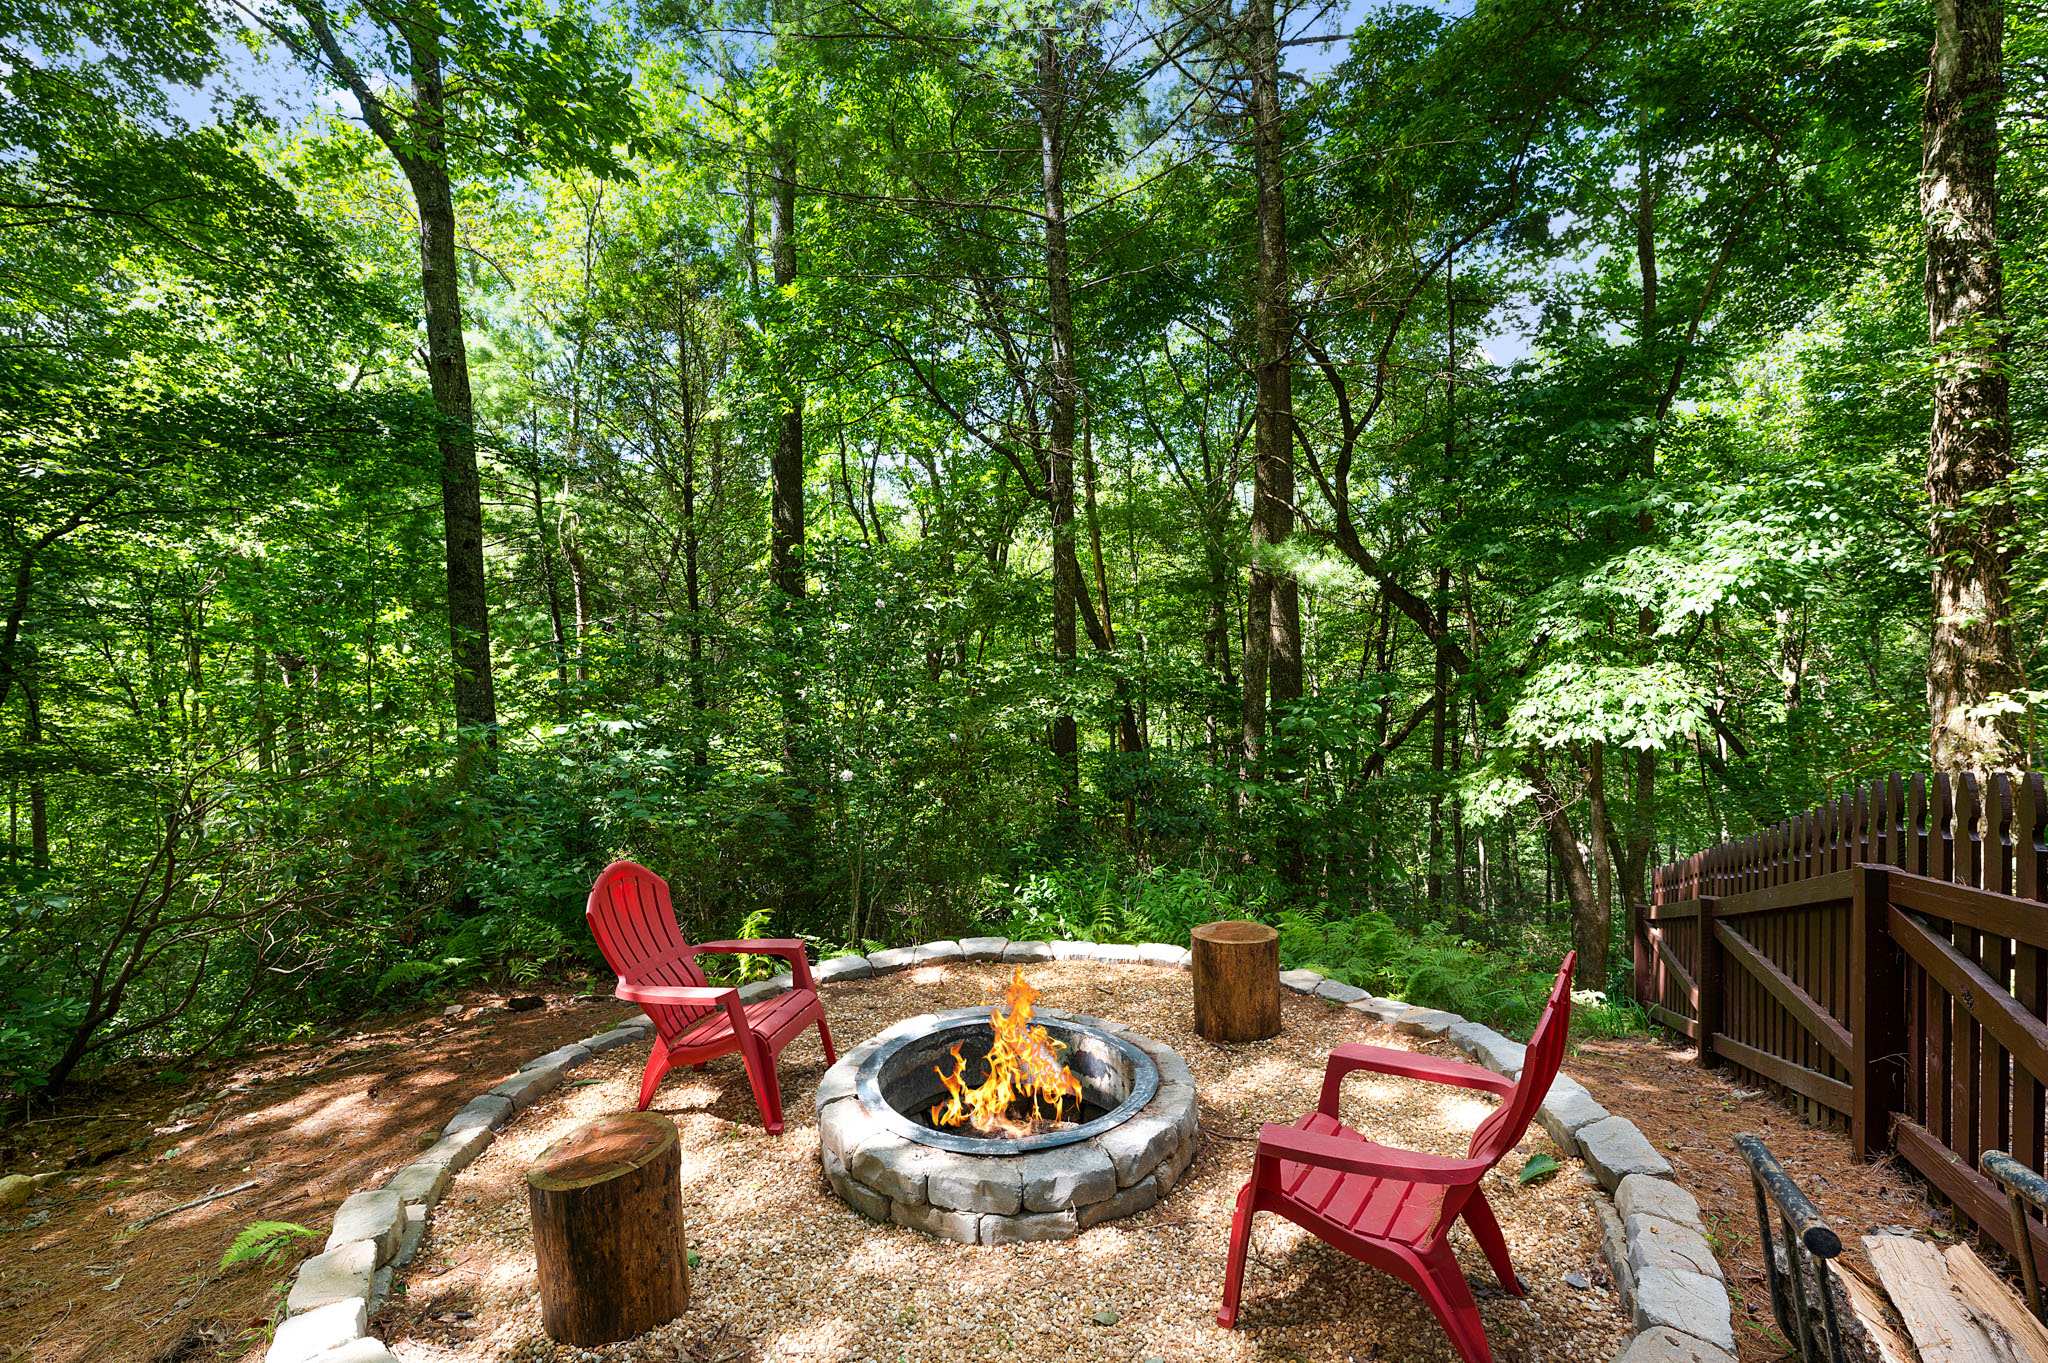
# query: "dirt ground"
{"type": "Point", "coordinates": [787, 1272]}
{"type": "Point", "coordinates": [1693, 1117]}
{"type": "Point", "coordinates": [312, 1123]}
{"type": "Point", "coordinates": [309, 1124]}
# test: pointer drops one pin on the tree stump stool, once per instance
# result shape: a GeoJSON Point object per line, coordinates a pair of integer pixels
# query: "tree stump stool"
{"type": "Point", "coordinates": [607, 1203]}
{"type": "Point", "coordinates": [1237, 981]}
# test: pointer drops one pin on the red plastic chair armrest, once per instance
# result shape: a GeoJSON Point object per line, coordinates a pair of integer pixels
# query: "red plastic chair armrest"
{"type": "Point", "coordinates": [1365, 1157]}
{"type": "Point", "coordinates": [1355, 1056]}
{"type": "Point", "coordinates": [678, 995]}
{"type": "Point", "coordinates": [788, 948]}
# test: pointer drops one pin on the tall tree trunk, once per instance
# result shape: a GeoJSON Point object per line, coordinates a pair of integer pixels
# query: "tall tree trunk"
{"type": "Point", "coordinates": [1066, 589]}
{"type": "Point", "coordinates": [1273, 598]}
{"type": "Point", "coordinates": [462, 513]}
{"type": "Point", "coordinates": [1438, 724]}
{"type": "Point", "coordinates": [1971, 656]}
{"type": "Point", "coordinates": [38, 791]}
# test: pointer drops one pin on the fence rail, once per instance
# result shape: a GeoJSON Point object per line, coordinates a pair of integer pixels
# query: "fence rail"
{"type": "Point", "coordinates": [1882, 959]}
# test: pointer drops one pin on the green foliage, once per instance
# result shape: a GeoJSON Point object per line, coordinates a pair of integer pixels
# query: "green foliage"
{"type": "Point", "coordinates": [267, 1242]}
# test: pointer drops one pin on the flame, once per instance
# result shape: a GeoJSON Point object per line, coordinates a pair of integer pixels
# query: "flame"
{"type": "Point", "coordinates": [1024, 1066]}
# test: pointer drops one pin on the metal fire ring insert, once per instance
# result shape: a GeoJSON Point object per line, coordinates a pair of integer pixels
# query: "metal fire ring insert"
{"type": "Point", "coordinates": [902, 1076]}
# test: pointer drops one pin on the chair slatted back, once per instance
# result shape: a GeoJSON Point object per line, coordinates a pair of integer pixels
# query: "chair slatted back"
{"type": "Point", "coordinates": [634, 921]}
{"type": "Point", "coordinates": [1500, 1132]}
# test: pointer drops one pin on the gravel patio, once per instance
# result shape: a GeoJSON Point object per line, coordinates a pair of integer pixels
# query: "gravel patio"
{"type": "Point", "coordinates": [785, 1270]}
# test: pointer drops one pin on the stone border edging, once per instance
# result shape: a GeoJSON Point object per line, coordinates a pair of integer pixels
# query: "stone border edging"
{"type": "Point", "coordinates": [1651, 1234]}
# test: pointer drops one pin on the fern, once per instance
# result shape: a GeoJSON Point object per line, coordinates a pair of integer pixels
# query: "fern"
{"type": "Point", "coordinates": [408, 972]}
{"type": "Point", "coordinates": [268, 1241]}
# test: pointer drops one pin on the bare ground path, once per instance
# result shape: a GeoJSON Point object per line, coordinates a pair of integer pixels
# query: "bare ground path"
{"type": "Point", "coordinates": [311, 1123]}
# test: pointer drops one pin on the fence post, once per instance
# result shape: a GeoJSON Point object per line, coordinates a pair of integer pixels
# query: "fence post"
{"type": "Point", "coordinates": [1639, 947]}
{"type": "Point", "coordinates": [1708, 979]}
{"type": "Point", "coordinates": [1877, 1014]}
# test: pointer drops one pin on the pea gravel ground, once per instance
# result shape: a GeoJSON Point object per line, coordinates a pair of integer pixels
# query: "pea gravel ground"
{"type": "Point", "coordinates": [787, 1272]}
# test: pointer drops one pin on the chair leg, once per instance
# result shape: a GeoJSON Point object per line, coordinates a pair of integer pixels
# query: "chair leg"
{"type": "Point", "coordinates": [1240, 1245]}
{"type": "Point", "coordinates": [760, 1063]}
{"type": "Point", "coordinates": [1449, 1297]}
{"type": "Point", "coordinates": [825, 1035]}
{"type": "Point", "coordinates": [1486, 1230]}
{"type": "Point", "coordinates": [650, 1079]}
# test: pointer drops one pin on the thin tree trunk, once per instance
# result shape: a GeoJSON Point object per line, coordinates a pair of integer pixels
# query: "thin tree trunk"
{"type": "Point", "coordinates": [1438, 723]}
{"type": "Point", "coordinates": [692, 590]}
{"type": "Point", "coordinates": [1971, 657]}
{"type": "Point", "coordinates": [554, 594]}
{"type": "Point", "coordinates": [1589, 921]}
{"type": "Point", "coordinates": [786, 548]}
{"type": "Point", "coordinates": [1595, 925]}
{"type": "Point", "coordinates": [38, 791]}
{"type": "Point", "coordinates": [1065, 739]}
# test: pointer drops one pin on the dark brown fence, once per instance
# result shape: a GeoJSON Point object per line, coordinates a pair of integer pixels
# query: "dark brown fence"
{"type": "Point", "coordinates": [1882, 959]}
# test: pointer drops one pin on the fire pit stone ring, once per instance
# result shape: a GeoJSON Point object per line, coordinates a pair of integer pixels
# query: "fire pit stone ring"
{"type": "Point", "coordinates": [990, 1191]}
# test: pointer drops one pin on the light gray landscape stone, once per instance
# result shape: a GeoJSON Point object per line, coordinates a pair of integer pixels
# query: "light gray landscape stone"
{"type": "Point", "coordinates": [843, 1125]}
{"type": "Point", "coordinates": [1303, 981]}
{"type": "Point", "coordinates": [1177, 1163]}
{"type": "Point", "coordinates": [1177, 1103]}
{"type": "Point", "coordinates": [843, 968]}
{"type": "Point", "coordinates": [1128, 1202]}
{"type": "Point", "coordinates": [1665, 1345]}
{"type": "Point", "coordinates": [1117, 953]}
{"type": "Point", "coordinates": [528, 1086]}
{"type": "Point", "coordinates": [1380, 1010]}
{"type": "Point", "coordinates": [1614, 1246]}
{"type": "Point", "coordinates": [312, 1333]}
{"type": "Point", "coordinates": [839, 1082]}
{"type": "Point", "coordinates": [455, 1152]}
{"type": "Point", "coordinates": [1613, 1149]}
{"type": "Point", "coordinates": [374, 1214]}
{"type": "Point", "coordinates": [1161, 953]}
{"type": "Point", "coordinates": [1073, 951]}
{"type": "Point", "coordinates": [612, 1040]}
{"type": "Point", "coordinates": [1565, 1110]}
{"type": "Point", "coordinates": [1029, 1228]}
{"type": "Point", "coordinates": [1066, 1176]}
{"type": "Point", "coordinates": [380, 1292]}
{"type": "Point", "coordinates": [895, 958]}
{"type": "Point", "coordinates": [561, 1058]}
{"type": "Point", "coordinates": [1488, 1047]}
{"type": "Point", "coordinates": [765, 989]}
{"type": "Point", "coordinates": [1135, 1147]}
{"type": "Point", "coordinates": [341, 1274]}
{"type": "Point", "coordinates": [1028, 951]}
{"type": "Point", "coordinates": [409, 1241]}
{"type": "Point", "coordinates": [970, 1184]}
{"type": "Point", "coordinates": [983, 948]}
{"type": "Point", "coordinates": [1689, 1303]}
{"type": "Point", "coordinates": [1655, 1242]}
{"type": "Point", "coordinates": [940, 951]}
{"type": "Point", "coordinates": [420, 1183]}
{"type": "Point", "coordinates": [364, 1350]}
{"type": "Point", "coordinates": [1339, 992]}
{"type": "Point", "coordinates": [640, 1020]}
{"type": "Point", "coordinates": [951, 1225]}
{"type": "Point", "coordinates": [1426, 1022]}
{"type": "Point", "coordinates": [486, 1111]}
{"type": "Point", "coordinates": [1641, 1195]}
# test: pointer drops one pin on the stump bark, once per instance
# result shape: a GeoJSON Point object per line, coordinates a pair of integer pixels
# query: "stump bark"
{"type": "Point", "coordinates": [1237, 981]}
{"type": "Point", "coordinates": [608, 1229]}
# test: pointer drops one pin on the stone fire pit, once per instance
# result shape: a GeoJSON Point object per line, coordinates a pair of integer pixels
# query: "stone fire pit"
{"type": "Point", "coordinates": [1135, 1140]}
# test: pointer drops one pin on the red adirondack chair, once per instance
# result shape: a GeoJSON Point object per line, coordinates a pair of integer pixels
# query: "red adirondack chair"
{"type": "Point", "coordinates": [635, 925]}
{"type": "Point", "coordinates": [1393, 1208]}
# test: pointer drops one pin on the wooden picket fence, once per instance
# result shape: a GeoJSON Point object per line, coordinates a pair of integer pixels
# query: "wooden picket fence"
{"type": "Point", "coordinates": [1881, 959]}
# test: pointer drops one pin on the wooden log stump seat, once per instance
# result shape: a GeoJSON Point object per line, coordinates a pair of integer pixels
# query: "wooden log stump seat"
{"type": "Point", "coordinates": [608, 1229]}
{"type": "Point", "coordinates": [1237, 981]}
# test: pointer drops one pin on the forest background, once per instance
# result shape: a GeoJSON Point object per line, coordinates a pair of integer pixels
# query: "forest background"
{"type": "Point", "coordinates": [907, 469]}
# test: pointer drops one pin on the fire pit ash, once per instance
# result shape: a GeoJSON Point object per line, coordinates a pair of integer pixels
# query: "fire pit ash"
{"type": "Point", "coordinates": [1003, 1124]}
